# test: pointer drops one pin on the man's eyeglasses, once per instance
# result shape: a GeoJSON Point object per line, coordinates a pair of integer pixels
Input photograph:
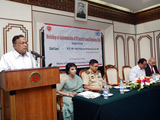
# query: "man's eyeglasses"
{"type": "Point", "coordinates": [22, 43]}
{"type": "Point", "coordinates": [153, 63]}
{"type": "Point", "coordinates": [144, 64]}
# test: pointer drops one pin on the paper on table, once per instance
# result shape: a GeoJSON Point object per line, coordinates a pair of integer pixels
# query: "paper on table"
{"type": "Point", "coordinates": [126, 90]}
{"type": "Point", "coordinates": [109, 94]}
{"type": "Point", "coordinates": [89, 94]}
{"type": "Point", "coordinates": [117, 87]}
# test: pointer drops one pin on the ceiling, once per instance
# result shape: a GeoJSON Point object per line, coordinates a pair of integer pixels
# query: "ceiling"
{"type": "Point", "coordinates": [131, 5]}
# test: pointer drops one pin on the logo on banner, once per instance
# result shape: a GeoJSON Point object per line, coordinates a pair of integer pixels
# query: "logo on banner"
{"type": "Point", "coordinates": [49, 28]}
{"type": "Point", "coordinates": [98, 33]}
{"type": "Point", "coordinates": [35, 78]}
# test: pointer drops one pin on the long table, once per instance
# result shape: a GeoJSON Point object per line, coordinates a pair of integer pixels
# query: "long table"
{"type": "Point", "coordinates": [132, 105]}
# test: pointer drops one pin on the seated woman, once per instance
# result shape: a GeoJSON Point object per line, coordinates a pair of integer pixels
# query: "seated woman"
{"type": "Point", "coordinates": [69, 87]}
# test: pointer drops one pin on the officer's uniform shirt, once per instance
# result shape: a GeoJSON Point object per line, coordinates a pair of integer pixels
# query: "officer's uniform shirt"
{"type": "Point", "coordinates": [92, 79]}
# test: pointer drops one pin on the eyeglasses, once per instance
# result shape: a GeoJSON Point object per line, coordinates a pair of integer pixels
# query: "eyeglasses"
{"type": "Point", "coordinates": [144, 64]}
{"type": "Point", "coordinates": [22, 43]}
{"type": "Point", "coordinates": [153, 63]}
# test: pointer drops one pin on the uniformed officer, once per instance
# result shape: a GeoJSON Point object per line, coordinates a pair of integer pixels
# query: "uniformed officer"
{"type": "Point", "coordinates": [92, 78]}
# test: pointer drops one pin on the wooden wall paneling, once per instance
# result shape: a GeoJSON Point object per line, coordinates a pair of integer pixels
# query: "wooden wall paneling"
{"type": "Point", "coordinates": [148, 15]}
{"type": "Point", "coordinates": [98, 10]}
{"type": "Point", "coordinates": [94, 9]}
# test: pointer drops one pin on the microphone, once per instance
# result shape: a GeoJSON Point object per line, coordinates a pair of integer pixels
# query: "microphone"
{"type": "Point", "coordinates": [50, 65]}
{"type": "Point", "coordinates": [37, 55]}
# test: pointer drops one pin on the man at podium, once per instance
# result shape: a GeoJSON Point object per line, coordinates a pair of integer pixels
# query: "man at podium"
{"type": "Point", "coordinates": [19, 58]}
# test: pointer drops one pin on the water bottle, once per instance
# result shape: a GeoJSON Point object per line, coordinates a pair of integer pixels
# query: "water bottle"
{"type": "Point", "coordinates": [121, 86]}
{"type": "Point", "coordinates": [105, 91]}
{"type": "Point", "coordinates": [153, 76]}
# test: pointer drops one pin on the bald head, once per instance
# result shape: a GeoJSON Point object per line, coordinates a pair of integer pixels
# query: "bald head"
{"type": "Point", "coordinates": [152, 62]}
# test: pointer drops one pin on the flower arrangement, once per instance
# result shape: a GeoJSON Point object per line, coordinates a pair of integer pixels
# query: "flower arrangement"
{"type": "Point", "coordinates": [142, 82]}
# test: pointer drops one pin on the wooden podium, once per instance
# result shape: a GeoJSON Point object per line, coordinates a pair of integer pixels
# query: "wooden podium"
{"type": "Point", "coordinates": [29, 94]}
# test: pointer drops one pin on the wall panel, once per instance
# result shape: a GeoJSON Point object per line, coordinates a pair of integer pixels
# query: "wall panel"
{"type": "Point", "coordinates": [39, 18]}
{"type": "Point", "coordinates": [120, 52]}
{"type": "Point", "coordinates": [157, 47]}
{"type": "Point", "coordinates": [15, 11]}
{"type": "Point", "coordinates": [8, 29]}
{"type": "Point", "coordinates": [131, 50]}
{"type": "Point", "coordinates": [145, 46]}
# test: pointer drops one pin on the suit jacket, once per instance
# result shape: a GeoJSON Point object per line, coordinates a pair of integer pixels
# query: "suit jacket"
{"type": "Point", "coordinates": [148, 70]}
{"type": "Point", "coordinates": [81, 15]}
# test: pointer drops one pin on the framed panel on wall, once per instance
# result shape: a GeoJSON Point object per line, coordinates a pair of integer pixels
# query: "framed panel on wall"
{"type": "Point", "coordinates": [81, 10]}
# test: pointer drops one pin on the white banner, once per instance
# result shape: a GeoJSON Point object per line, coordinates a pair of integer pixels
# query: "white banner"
{"type": "Point", "coordinates": [64, 44]}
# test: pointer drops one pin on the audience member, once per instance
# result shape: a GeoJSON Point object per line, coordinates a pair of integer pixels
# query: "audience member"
{"type": "Point", "coordinates": [138, 70]}
{"type": "Point", "coordinates": [70, 85]}
{"type": "Point", "coordinates": [151, 67]}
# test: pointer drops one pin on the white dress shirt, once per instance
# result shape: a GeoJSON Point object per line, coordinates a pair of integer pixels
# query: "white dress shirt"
{"type": "Point", "coordinates": [136, 72]}
{"type": "Point", "coordinates": [13, 60]}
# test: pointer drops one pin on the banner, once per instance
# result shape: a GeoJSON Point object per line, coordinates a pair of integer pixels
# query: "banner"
{"type": "Point", "coordinates": [65, 44]}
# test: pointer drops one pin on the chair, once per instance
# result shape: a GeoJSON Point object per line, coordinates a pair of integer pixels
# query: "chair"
{"type": "Point", "coordinates": [60, 97]}
{"type": "Point", "coordinates": [111, 75]}
{"type": "Point", "coordinates": [0, 105]}
{"type": "Point", "coordinates": [81, 72]}
{"type": "Point", "coordinates": [126, 73]}
{"type": "Point", "coordinates": [60, 104]}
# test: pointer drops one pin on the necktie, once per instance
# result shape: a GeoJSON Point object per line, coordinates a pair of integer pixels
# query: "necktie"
{"type": "Point", "coordinates": [152, 70]}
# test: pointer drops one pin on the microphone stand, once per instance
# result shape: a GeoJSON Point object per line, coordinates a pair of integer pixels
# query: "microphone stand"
{"type": "Point", "coordinates": [36, 55]}
{"type": "Point", "coordinates": [36, 61]}
{"type": "Point", "coordinates": [31, 59]}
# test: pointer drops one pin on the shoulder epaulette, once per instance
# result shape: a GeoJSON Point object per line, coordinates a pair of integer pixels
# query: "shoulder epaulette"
{"type": "Point", "coordinates": [87, 71]}
{"type": "Point", "coordinates": [98, 71]}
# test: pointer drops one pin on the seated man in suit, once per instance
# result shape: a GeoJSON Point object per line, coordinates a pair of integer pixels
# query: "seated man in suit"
{"type": "Point", "coordinates": [151, 67]}
{"type": "Point", "coordinates": [138, 70]}
{"type": "Point", "coordinates": [92, 78]}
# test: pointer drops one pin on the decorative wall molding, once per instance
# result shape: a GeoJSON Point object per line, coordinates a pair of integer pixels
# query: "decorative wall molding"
{"type": "Point", "coordinates": [65, 5]}
{"type": "Point", "coordinates": [148, 15]}
{"type": "Point", "coordinates": [94, 9]}
{"type": "Point", "coordinates": [110, 13]}
{"type": "Point", "coordinates": [9, 27]}
{"type": "Point", "coordinates": [98, 10]}
{"type": "Point", "coordinates": [116, 38]}
{"type": "Point", "coordinates": [151, 48]}
{"type": "Point", "coordinates": [133, 39]}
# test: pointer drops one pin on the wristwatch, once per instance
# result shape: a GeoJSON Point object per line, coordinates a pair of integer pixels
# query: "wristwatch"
{"type": "Point", "coordinates": [67, 94]}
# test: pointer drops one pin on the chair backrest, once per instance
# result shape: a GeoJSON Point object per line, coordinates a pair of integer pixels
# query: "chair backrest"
{"type": "Point", "coordinates": [0, 101]}
{"type": "Point", "coordinates": [62, 74]}
{"type": "Point", "coordinates": [81, 72]}
{"type": "Point", "coordinates": [60, 99]}
{"type": "Point", "coordinates": [126, 73]}
{"type": "Point", "coordinates": [111, 75]}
